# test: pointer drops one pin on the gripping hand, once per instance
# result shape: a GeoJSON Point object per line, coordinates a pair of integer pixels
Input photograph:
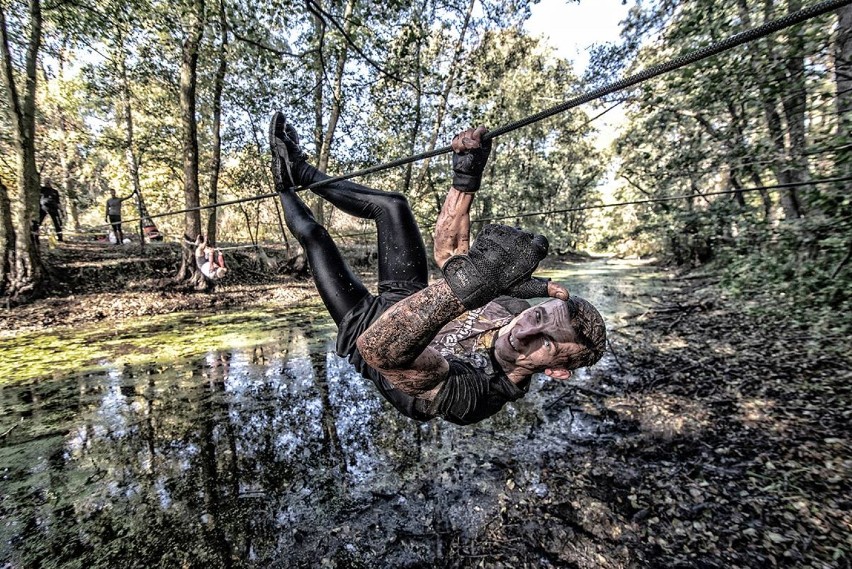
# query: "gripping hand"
{"type": "Point", "coordinates": [533, 287]}
{"type": "Point", "coordinates": [501, 258]}
{"type": "Point", "coordinates": [470, 154]}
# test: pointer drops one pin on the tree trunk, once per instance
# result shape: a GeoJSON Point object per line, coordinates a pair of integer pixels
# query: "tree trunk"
{"type": "Point", "coordinates": [337, 91]}
{"type": "Point", "coordinates": [216, 158]}
{"type": "Point", "coordinates": [25, 276]}
{"type": "Point", "coordinates": [327, 137]}
{"type": "Point", "coordinates": [414, 133]}
{"type": "Point", "coordinates": [67, 154]}
{"type": "Point", "coordinates": [129, 142]}
{"type": "Point", "coordinates": [7, 238]}
{"type": "Point", "coordinates": [843, 80]}
{"type": "Point", "coordinates": [770, 81]}
{"type": "Point", "coordinates": [319, 76]}
{"type": "Point", "coordinates": [752, 171]}
{"type": "Point", "coordinates": [188, 79]}
{"type": "Point", "coordinates": [741, 150]}
{"type": "Point", "coordinates": [319, 103]}
{"type": "Point", "coordinates": [787, 168]}
{"type": "Point", "coordinates": [795, 104]}
{"type": "Point", "coordinates": [130, 155]}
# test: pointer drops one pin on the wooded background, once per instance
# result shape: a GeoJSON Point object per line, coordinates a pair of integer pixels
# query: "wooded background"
{"type": "Point", "coordinates": [172, 99]}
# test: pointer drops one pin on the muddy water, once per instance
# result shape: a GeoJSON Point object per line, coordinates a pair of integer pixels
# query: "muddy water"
{"type": "Point", "coordinates": [264, 451]}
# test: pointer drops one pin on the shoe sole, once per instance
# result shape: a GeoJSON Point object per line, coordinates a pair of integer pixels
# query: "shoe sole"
{"type": "Point", "coordinates": [277, 144]}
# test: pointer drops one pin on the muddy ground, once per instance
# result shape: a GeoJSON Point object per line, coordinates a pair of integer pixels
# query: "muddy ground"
{"type": "Point", "coordinates": [734, 445]}
{"type": "Point", "coordinates": [94, 281]}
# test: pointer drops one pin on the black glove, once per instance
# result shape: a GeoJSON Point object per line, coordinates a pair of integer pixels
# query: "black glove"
{"type": "Point", "coordinates": [470, 154]}
{"type": "Point", "coordinates": [533, 287]}
{"type": "Point", "coordinates": [500, 258]}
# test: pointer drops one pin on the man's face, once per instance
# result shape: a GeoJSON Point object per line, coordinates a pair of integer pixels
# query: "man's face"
{"type": "Point", "coordinates": [539, 338]}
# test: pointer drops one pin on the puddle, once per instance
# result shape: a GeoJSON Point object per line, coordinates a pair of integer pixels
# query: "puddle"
{"type": "Point", "coordinates": [230, 444]}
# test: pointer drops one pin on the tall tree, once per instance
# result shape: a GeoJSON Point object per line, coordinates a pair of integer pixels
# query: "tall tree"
{"type": "Point", "coordinates": [441, 105]}
{"type": "Point", "coordinates": [126, 106]}
{"type": "Point", "coordinates": [218, 87]}
{"type": "Point", "coordinates": [189, 123]}
{"type": "Point", "coordinates": [843, 89]}
{"type": "Point", "coordinates": [60, 118]}
{"type": "Point", "coordinates": [25, 274]}
{"type": "Point", "coordinates": [785, 110]}
{"type": "Point", "coordinates": [325, 121]}
{"type": "Point", "coordinates": [337, 94]}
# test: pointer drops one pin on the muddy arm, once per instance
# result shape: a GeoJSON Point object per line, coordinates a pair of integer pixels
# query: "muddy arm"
{"type": "Point", "coordinates": [397, 344]}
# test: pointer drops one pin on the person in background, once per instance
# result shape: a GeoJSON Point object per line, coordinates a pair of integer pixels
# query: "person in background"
{"type": "Point", "coordinates": [113, 214]}
{"type": "Point", "coordinates": [49, 205]}
{"type": "Point", "coordinates": [210, 260]}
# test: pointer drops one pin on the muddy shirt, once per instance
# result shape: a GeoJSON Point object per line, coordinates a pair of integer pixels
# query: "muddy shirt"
{"type": "Point", "coordinates": [203, 264]}
{"type": "Point", "coordinates": [476, 386]}
{"type": "Point", "coordinates": [48, 198]}
{"type": "Point", "coordinates": [471, 336]}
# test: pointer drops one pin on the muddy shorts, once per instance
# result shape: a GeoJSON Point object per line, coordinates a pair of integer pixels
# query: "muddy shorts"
{"type": "Point", "coordinates": [356, 321]}
{"type": "Point", "coordinates": [115, 222]}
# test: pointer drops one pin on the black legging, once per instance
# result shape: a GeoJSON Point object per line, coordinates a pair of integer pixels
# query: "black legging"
{"type": "Point", "coordinates": [402, 254]}
{"type": "Point", "coordinates": [54, 216]}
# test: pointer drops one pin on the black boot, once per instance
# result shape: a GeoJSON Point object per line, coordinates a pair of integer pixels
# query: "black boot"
{"type": "Point", "coordinates": [287, 154]}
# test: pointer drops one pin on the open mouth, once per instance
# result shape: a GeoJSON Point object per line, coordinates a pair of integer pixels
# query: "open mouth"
{"type": "Point", "coordinates": [512, 342]}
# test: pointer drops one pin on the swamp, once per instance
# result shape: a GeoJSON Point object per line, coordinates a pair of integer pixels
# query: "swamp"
{"type": "Point", "coordinates": [231, 435]}
{"type": "Point", "coordinates": [172, 250]}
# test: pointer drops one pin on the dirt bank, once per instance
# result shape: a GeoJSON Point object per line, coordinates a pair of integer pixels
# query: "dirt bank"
{"type": "Point", "coordinates": [94, 281]}
{"type": "Point", "coordinates": [91, 281]}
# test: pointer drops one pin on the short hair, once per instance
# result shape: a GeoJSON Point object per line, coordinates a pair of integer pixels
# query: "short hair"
{"type": "Point", "coordinates": [591, 331]}
{"type": "Point", "coordinates": [221, 272]}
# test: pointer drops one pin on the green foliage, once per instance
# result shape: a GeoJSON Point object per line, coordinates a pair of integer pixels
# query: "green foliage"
{"type": "Point", "coordinates": [761, 115]}
{"type": "Point", "coordinates": [800, 270]}
{"type": "Point", "coordinates": [408, 82]}
{"type": "Point", "coordinates": [165, 338]}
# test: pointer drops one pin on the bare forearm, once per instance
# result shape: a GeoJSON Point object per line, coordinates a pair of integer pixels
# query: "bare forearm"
{"type": "Point", "coordinates": [452, 230]}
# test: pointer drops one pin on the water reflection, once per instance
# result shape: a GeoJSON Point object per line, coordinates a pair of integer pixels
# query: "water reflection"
{"type": "Point", "coordinates": [276, 455]}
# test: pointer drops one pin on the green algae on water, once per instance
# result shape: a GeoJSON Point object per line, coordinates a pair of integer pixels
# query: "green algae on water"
{"type": "Point", "coordinates": [163, 338]}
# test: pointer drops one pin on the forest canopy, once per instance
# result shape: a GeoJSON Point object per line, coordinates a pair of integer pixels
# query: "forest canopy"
{"type": "Point", "coordinates": [170, 101]}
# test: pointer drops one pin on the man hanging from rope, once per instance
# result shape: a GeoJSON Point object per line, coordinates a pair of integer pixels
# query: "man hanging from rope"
{"type": "Point", "coordinates": [209, 260]}
{"type": "Point", "coordinates": [465, 345]}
